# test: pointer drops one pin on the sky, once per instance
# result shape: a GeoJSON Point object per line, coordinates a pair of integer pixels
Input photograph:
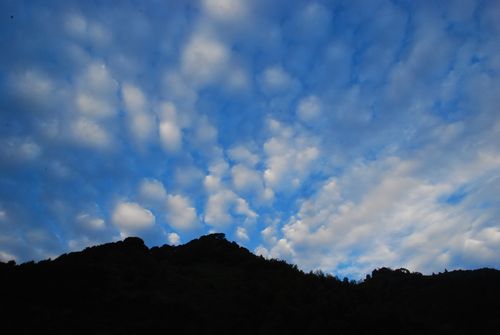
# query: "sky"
{"type": "Point", "coordinates": [336, 135]}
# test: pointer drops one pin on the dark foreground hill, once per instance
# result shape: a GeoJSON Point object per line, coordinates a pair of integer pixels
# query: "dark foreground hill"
{"type": "Point", "coordinates": [213, 286]}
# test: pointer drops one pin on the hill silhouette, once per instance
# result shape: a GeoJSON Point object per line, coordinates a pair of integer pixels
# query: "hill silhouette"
{"type": "Point", "coordinates": [213, 286]}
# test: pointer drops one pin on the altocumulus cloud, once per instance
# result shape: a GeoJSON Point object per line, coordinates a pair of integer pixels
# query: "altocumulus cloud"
{"type": "Point", "coordinates": [130, 217]}
{"type": "Point", "coordinates": [336, 135]}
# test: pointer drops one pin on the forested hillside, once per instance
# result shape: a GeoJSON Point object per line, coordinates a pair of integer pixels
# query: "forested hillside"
{"type": "Point", "coordinates": [211, 285]}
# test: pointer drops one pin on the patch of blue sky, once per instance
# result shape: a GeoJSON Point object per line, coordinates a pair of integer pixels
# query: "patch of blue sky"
{"type": "Point", "coordinates": [456, 197]}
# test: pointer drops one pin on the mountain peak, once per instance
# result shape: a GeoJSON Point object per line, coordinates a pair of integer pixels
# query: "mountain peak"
{"type": "Point", "coordinates": [134, 242]}
{"type": "Point", "coordinates": [214, 236]}
{"type": "Point", "coordinates": [212, 248]}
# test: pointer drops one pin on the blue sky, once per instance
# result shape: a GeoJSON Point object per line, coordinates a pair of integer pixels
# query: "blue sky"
{"type": "Point", "coordinates": [338, 135]}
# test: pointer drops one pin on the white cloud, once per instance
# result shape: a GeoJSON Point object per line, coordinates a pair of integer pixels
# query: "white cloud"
{"type": "Point", "coordinates": [222, 202]}
{"type": "Point", "coordinates": [204, 59]}
{"type": "Point", "coordinates": [414, 81]}
{"type": "Point", "coordinates": [96, 79]}
{"type": "Point", "coordinates": [275, 79]}
{"type": "Point", "coordinates": [245, 178]}
{"type": "Point", "coordinates": [217, 208]}
{"type": "Point", "coordinates": [3, 215]}
{"type": "Point", "coordinates": [248, 181]}
{"type": "Point", "coordinates": [170, 136]}
{"type": "Point", "coordinates": [242, 234]}
{"type": "Point", "coordinates": [34, 85]}
{"type": "Point", "coordinates": [309, 108]}
{"type": "Point", "coordinates": [75, 24]}
{"type": "Point", "coordinates": [95, 92]}
{"type": "Point", "coordinates": [243, 155]}
{"type": "Point", "coordinates": [226, 10]}
{"type": "Point", "coordinates": [268, 195]}
{"type": "Point", "coordinates": [99, 35]}
{"type": "Point", "coordinates": [81, 28]}
{"type": "Point", "coordinates": [174, 239]}
{"type": "Point", "coordinates": [269, 234]}
{"type": "Point", "coordinates": [94, 106]}
{"type": "Point", "coordinates": [152, 190]}
{"type": "Point", "coordinates": [242, 208]}
{"type": "Point", "coordinates": [181, 214]}
{"type": "Point", "coordinates": [386, 214]}
{"type": "Point", "coordinates": [90, 133]}
{"type": "Point", "coordinates": [290, 157]}
{"type": "Point", "coordinates": [281, 250]}
{"type": "Point", "coordinates": [170, 131]}
{"type": "Point", "coordinates": [95, 99]}
{"type": "Point", "coordinates": [141, 120]}
{"type": "Point", "coordinates": [17, 149]}
{"type": "Point", "coordinates": [36, 92]}
{"type": "Point", "coordinates": [130, 217]}
{"type": "Point", "coordinates": [262, 251]}
{"type": "Point", "coordinates": [212, 183]}
{"type": "Point", "coordinates": [6, 257]}
{"type": "Point", "coordinates": [134, 98]}
{"type": "Point", "coordinates": [90, 222]}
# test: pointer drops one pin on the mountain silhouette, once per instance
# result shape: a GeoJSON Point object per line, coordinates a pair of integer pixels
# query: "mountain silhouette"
{"type": "Point", "coordinates": [213, 286]}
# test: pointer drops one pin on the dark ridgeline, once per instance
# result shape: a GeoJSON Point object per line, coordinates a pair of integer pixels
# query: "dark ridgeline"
{"type": "Point", "coordinates": [213, 286]}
